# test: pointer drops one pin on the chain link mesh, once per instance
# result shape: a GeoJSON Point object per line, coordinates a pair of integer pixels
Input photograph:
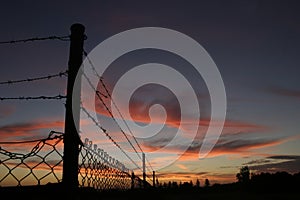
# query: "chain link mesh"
{"type": "Point", "coordinates": [99, 170]}
{"type": "Point", "coordinates": [42, 165]}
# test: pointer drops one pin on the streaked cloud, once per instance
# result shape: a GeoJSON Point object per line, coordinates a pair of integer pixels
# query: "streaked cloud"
{"type": "Point", "coordinates": [28, 130]}
{"type": "Point", "coordinates": [225, 145]}
{"type": "Point", "coordinates": [288, 163]}
{"type": "Point", "coordinates": [284, 92]}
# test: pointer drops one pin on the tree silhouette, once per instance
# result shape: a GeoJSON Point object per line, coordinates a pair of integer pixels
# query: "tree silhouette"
{"type": "Point", "coordinates": [187, 185]}
{"type": "Point", "coordinates": [197, 183]}
{"type": "Point", "coordinates": [206, 183]}
{"type": "Point", "coordinates": [174, 184]}
{"type": "Point", "coordinates": [244, 175]}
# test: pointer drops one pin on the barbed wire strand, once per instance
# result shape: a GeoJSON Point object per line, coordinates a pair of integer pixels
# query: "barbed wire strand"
{"type": "Point", "coordinates": [114, 103]}
{"type": "Point", "coordinates": [91, 85]}
{"type": "Point", "coordinates": [57, 97]}
{"type": "Point", "coordinates": [62, 38]}
{"type": "Point", "coordinates": [107, 135]}
{"type": "Point", "coordinates": [108, 94]}
{"type": "Point", "coordinates": [149, 177]}
{"type": "Point", "coordinates": [111, 115]}
{"type": "Point", "coordinates": [60, 74]}
{"type": "Point", "coordinates": [149, 164]}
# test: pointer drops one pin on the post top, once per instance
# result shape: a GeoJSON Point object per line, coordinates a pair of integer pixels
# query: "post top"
{"type": "Point", "coordinates": [77, 27]}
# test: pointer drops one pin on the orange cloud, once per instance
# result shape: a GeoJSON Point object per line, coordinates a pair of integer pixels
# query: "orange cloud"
{"type": "Point", "coordinates": [21, 131]}
{"type": "Point", "coordinates": [224, 146]}
{"type": "Point", "coordinates": [139, 113]}
{"type": "Point", "coordinates": [181, 166]}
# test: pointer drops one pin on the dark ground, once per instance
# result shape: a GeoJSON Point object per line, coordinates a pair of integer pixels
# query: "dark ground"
{"type": "Point", "coordinates": [233, 191]}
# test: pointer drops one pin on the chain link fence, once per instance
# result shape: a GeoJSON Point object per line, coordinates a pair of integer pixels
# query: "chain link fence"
{"type": "Point", "coordinates": [43, 165]}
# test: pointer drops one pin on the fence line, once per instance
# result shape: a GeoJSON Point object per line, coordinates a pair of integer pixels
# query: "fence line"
{"type": "Point", "coordinates": [108, 95]}
{"type": "Point", "coordinates": [44, 163]}
{"type": "Point", "coordinates": [103, 130]}
{"type": "Point", "coordinates": [99, 170]}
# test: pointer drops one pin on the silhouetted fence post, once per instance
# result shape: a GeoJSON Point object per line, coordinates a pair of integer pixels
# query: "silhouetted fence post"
{"type": "Point", "coordinates": [132, 180]}
{"type": "Point", "coordinates": [72, 115]}
{"type": "Point", "coordinates": [144, 170]}
{"type": "Point", "coordinates": [153, 179]}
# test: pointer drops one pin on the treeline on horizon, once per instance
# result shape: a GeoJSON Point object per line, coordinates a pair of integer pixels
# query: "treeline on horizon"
{"type": "Point", "coordinates": [258, 182]}
{"type": "Point", "coordinates": [264, 185]}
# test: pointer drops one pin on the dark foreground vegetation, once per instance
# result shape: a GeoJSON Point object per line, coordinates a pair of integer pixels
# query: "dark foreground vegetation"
{"type": "Point", "coordinates": [280, 185]}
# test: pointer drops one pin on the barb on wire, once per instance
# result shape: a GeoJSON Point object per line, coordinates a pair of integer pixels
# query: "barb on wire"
{"type": "Point", "coordinates": [92, 65]}
{"type": "Point", "coordinates": [91, 85]}
{"type": "Point", "coordinates": [62, 38]}
{"type": "Point", "coordinates": [57, 97]}
{"type": "Point", "coordinates": [60, 74]}
{"type": "Point", "coordinates": [107, 135]}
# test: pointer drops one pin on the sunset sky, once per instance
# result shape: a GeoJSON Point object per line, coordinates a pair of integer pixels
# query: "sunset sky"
{"type": "Point", "coordinates": [255, 45]}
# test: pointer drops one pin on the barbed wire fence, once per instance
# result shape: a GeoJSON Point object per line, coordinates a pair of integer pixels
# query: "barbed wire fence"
{"type": "Point", "coordinates": [43, 164]}
{"type": "Point", "coordinates": [107, 94]}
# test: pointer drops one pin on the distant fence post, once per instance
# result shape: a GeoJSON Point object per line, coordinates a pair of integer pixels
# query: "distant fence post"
{"type": "Point", "coordinates": [132, 180]}
{"type": "Point", "coordinates": [72, 114]}
{"type": "Point", "coordinates": [153, 179]}
{"type": "Point", "coordinates": [144, 170]}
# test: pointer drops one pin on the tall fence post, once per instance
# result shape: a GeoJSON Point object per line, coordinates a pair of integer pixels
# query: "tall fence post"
{"type": "Point", "coordinates": [72, 115]}
{"type": "Point", "coordinates": [153, 179]}
{"type": "Point", "coordinates": [144, 170]}
{"type": "Point", "coordinates": [132, 180]}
